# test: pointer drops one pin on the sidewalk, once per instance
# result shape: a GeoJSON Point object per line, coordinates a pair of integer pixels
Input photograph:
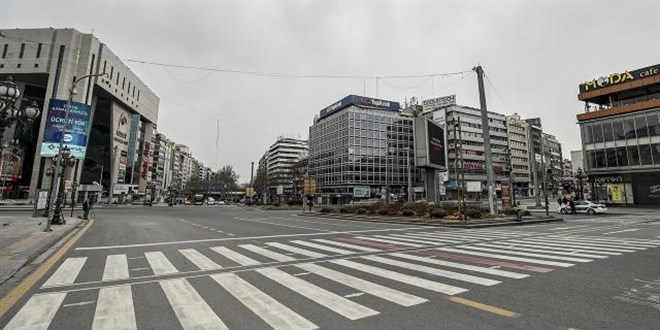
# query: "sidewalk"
{"type": "Point", "coordinates": [22, 240]}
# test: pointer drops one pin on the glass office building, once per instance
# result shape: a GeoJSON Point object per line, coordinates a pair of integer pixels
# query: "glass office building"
{"type": "Point", "coordinates": [359, 146]}
{"type": "Point", "coordinates": [621, 136]}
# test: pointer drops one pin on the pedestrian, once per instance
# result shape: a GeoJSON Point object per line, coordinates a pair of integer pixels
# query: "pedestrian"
{"type": "Point", "coordinates": [572, 204]}
{"type": "Point", "coordinates": [559, 201]}
{"type": "Point", "coordinates": [565, 200]}
{"type": "Point", "coordinates": [85, 207]}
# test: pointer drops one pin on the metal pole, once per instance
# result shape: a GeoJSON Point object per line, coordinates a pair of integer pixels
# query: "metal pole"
{"type": "Point", "coordinates": [410, 197]}
{"type": "Point", "coordinates": [462, 167]}
{"type": "Point", "coordinates": [111, 185]}
{"type": "Point", "coordinates": [458, 186]}
{"type": "Point", "coordinates": [490, 176]}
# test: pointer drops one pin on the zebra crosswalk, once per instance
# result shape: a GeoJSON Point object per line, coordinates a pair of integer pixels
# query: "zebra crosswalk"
{"type": "Point", "coordinates": [401, 270]}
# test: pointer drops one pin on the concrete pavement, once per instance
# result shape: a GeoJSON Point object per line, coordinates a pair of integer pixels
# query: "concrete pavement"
{"type": "Point", "coordinates": [241, 268]}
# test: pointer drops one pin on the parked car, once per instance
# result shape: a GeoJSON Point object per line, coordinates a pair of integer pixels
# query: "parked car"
{"type": "Point", "coordinates": [587, 207]}
{"type": "Point", "coordinates": [198, 200]}
{"type": "Point", "coordinates": [210, 201]}
{"type": "Point", "coordinates": [220, 203]}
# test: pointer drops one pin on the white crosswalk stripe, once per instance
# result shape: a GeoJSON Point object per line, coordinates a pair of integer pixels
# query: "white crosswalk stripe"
{"type": "Point", "coordinates": [37, 313]}
{"type": "Point", "coordinates": [296, 250]}
{"type": "Point", "coordinates": [453, 238]}
{"type": "Point", "coordinates": [268, 309]}
{"type": "Point", "coordinates": [267, 253]}
{"type": "Point", "coordinates": [200, 260]}
{"type": "Point", "coordinates": [400, 277]}
{"type": "Point", "coordinates": [534, 255]}
{"type": "Point", "coordinates": [505, 257]}
{"type": "Point", "coordinates": [567, 249]}
{"type": "Point", "coordinates": [653, 242]}
{"type": "Point", "coordinates": [346, 245]}
{"type": "Point", "coordinates": [338, 304]}
{"type": "Point", "coordinates": [235, 256]}
{"type": "Point", "coordinates": [114, 309]}
{"type": "Point", "coordinates": [159, 263]}
{"type": "Point", "coordinates": [190, 308]}
{"type": "Point", "coordinates": [66, 273]}
{"type": "Point", "coordinates": [409, 239]}
{"type": "Point", "coordinates": [484, 270]}
{"type": "Point", "coordinates": [322, 247]}
{"type": "Point", "coordinates": [584, 245]}
{"type": "Point", "coordinates": [388, 241]}
{"type": "Point", "coordinates": [626, 245]}
{"type": "Point", "coordinates": [509, 246]}
{"type": "Point", "coordinates": [116, 267]}
{"type": "Point", "coordinates": [429, 238]}
{"type": "Point", "coordinates": [434, 271]}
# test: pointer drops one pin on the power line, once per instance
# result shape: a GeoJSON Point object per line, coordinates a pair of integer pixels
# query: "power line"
{"type": "Point", "coordinates": [497, 93]}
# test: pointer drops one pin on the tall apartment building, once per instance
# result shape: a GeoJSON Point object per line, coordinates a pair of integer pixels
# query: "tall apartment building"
{"type": "Point", "coordinates": [536, 159]}
{"type": "Point", "coordinates": [123, 111]}
{"type": "Point", "coordinates": [620, 130]}
{"type": "Point", "coordinates": [360, 146]}
{"type": "Point", "coordinates": [474, 161]}
{"type": "Point", "coordinates": [553, 160]}
{"type": "Point", "coordinates": [520, 169]}
{"type": "Point", "coordinates": [280, 158]}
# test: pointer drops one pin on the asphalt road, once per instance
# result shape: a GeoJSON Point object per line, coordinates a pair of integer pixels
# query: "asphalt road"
{"type": "Point", "coordinates": [243, 268]}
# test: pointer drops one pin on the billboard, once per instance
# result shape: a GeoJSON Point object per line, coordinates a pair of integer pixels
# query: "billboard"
{"type": "Point", "coordinates": [618, 78]}
{"type": "Point", "coordinates": [430, 148]}
{"type": "Point", "coordinates": [438, 102]}
{"type": "Point", "coordinates": [77, 128]}
{"type": "Point", "coordinates": [361, 101]}
{"type": "Point", "coordinates": [361, 191]}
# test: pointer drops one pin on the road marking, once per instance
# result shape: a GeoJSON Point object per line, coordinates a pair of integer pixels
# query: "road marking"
{"type": "Point", "coordinates": [116, 267]}
{"type": "Point", "coordinates": [357, 294]}
{"type": "Point", "coordinates": [302, 274]}
{"type": "Point", "coordinates": [563, 248]}
{"type": "Point", "coordinates": [235, 256]}
{"type": "Point", "coordinates": [485, 270]}
{"type": "Point", "coordinates": [338, 304]}
{"type": "Point", "coordinates": [190, 308]}
{"type": "Point", "coordinates": [267, 253]}
{"type": "Point", "coordinates": [322, 247]}
{"type": "Point", "coordinates": [434, 271]}
{"type": "Point", "coordinates": [388, 241]}
{"type": "Point", "coordinates": [17, 293]}
{"type": "Point", "coordinates": [268, 309]}
{"type": "Point", "coordinates": [296, 250]}
{"type": "Point", "coordinates": [67, 272]}
{"type": "Point", "coordinates": [200, 260]}
{"type": "Point", "coordinates": [571, 227]}
{"type": "Point", "coordinates": [620, 231]}
{"type": "Point", "coordinates": [571, 245]}
{"type": "Point", "coordinates": [484, 307]}
{"type": "Point", "coordinates": [364, 286]}
{"type": "Point", "coordinates": [535, 255]}
{"type": "Point", "coordinates": [427, 238]}
{"type": "Point", "coordinates": [499, 256]}
{"type": "Point", "coordinates": [409, 239]}
{"type": "Point", "coordinates": [283, 225]}
{"type": "Point", "coordinates": [230, 234]}
{"type": "Point", "coordinates": [400, 277]}
{"type": "Point", "coordinates": [139, 269]}
{"type": "Point", "coordinates": [600, 239]}
{"type": "Point", "coordinates": [346, 245]}
{"type": "Point", "coordinates": [114, 309]}
{"type": "Point", "coordinates": [37, 313]}
{"type": "Point", "coordinates": [509, 246]}
{"type": "Point", "coordinates": [615, 246]}
{"type": "Point", "coordinates": [140, 257]}
{"type": "Point", "coordinates": [82, 303]}
{"type": "Point", "coordinates": [159, 263]}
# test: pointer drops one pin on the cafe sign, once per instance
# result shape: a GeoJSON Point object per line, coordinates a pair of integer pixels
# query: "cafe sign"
{"type": "Point", "coordinates": [619, 78]}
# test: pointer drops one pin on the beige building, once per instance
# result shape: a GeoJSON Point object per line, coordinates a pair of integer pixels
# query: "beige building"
{"type": "Point", "coordinates": [518, 135]}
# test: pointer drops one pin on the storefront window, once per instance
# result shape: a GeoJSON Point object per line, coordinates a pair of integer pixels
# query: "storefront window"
{"type": "Point", "coordinates": [618, 130]}
{"type": "Point", "coordinates": [621, 156]}
{"type": "Point", "coordinates": [654, 124]}
{"type": "Point", "coordinates": [645, 153]}
{"type": "Point", "coordinates": [629, 128]}
{"type": "Point", "coordinates": [642, 129]}
{"type": "Point", "coordinates": [611, 157]}
{"type": "Point", "coordinates": [600, 159]}
{"type": "Point", "coordinates": [656, 153]}
{"type": "Point", "coordinates": [598, 132]}
{"type": "Point", "coordinates": [633, 156]}
{"type": "Point", "coordinates": [607, 131]}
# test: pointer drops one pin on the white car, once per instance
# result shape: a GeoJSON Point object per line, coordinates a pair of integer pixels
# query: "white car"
{"type": "Point", "coordinates": [210, 201]}
{"type": "Point", "coordinates": [584, 207]}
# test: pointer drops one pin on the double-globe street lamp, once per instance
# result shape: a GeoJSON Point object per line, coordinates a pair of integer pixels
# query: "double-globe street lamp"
{"type": "Point", "coordinates": [580, 176]}
{"type": "Point", "coordinates": [65, 161]}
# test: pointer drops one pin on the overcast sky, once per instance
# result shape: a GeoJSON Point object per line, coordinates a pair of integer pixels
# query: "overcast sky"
{"type": "Point", "coordinates": [535, 54]}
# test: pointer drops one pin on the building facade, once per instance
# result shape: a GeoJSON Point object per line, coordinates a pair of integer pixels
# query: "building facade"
{"type": "Point", "coordinates": [520, 172]}
{"type": "Point", "coordinates": [620, 129]}
{"type": "Point", "coordinates": [122, 113]}
{"type": "Point", "coordinates": [360, 147]}
{"type": "Point", "coordinates": [473, 151]}
{"type": "Point", "coordinates": [280, 158]}
{"type": "Point", "coordinates": [553, 164]}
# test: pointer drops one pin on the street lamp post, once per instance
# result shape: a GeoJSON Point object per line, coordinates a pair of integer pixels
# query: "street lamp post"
{"type": "Point", "coordinates": [58, 162]}
{"type": "Point", "coordinates": [580, 174]}
{"type": "Point", "coordinates": [65, 161]}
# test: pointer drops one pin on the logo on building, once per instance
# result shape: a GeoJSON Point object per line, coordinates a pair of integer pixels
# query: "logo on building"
{"type": "Point", "coordinates": [619, 78]}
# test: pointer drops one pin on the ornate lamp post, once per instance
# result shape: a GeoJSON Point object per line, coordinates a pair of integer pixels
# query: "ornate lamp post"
{"type": "Point", "coordinates": [66, 161]}
{"type": "Point", "coordinates": [580, 175]}
{"type": "Point", "coordinates": [9, 93]}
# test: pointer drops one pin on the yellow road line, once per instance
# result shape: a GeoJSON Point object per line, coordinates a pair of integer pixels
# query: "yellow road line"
{"type": "Point", "coordinates": [484, 307]}
{"type": "Point", "coordinates": [17, 293]}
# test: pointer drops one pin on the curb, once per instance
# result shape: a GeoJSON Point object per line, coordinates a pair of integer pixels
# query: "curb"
{"type": "Point", "coordinates": [36, 254]}
{"type": "Point", "coordinates": [457, 225]}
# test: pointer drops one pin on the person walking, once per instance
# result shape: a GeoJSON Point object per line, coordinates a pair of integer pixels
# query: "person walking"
{"type": "Point", "coordinates": [565, 200]}
{"type": "Point", "coordinates": [559, 201]}
{"type": "Point", "coordinates": [571, 202]}
{"type": "Point", "coordinates": [85, 207]}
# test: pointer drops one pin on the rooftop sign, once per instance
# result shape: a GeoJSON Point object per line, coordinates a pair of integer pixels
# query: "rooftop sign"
{"type": "Point", "coordinates": [360, 101]}
{"type": "Point", "coordinates": [618, 78]}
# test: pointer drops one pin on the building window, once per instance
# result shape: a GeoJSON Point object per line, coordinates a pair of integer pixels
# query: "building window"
{"type": "Point", "coordinates": [598, 132]}
{"type": "Point", "coordinates": [607, 132]}
{"type": "Point", "coordinates": [36, 65]}
{"type": "Point", "coordinates": [18, 65]}
{"type": "Point", "coordinates": [654, 124]}
{"type": "Point", "coordinates": [642, 129]}
{"type": "Point", "coordinates": [39, 50]}
{"type": "Point", "coordinates": [112, 71]}
{"type": "Point", "coordinates": [656, 153]}
{"type": "Point", "coordinates": [645, 153]}
{"type": "Point", "coordinates": [600, 159]}
{"type": "Point", "coordinates": [117, 81]}
{"type": "Point", "coordinates": [123, 83]}
{"type": "Point", "coordinates": [20, 55]}
{"type": "Point", "coordinates": [618, 130]}
{"type": "Point", "coordinates": [105, 63]}
{"type": "Point", "coordinates": [629, 128]}
{"type": "Point", "coordinates": [633, 156]}
{"type": "Point", "coordinates": [4, 51]}
{"type": "Point", "coordinates": [611, 157]}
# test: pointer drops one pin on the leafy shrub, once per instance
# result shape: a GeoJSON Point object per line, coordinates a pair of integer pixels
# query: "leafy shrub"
{"type": "Point", "coordinates": [383, 211]}
{"type": "Point", "coordinates": [327, 210]}
{"type": "Point", "coordinates": [407, 213]}
{"type": "Point", "coordinates": [525, 213]}
{"type": "Point", "coordinates": [362, 210]}
{"type": "Point", "coordinates": [294, 202]}
{"type": "Point", "coordinates": [473, 213]}
{"type": "Point", "coordinates": [438, 212]}
{"type": "Point", "coordinates": [344, 210]}
{"type": "Point", "coordinates": [277, 204]}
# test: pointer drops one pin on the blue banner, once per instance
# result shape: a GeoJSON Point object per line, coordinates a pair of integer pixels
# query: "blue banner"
{"type": "Point", "coordinates": [77, 128]}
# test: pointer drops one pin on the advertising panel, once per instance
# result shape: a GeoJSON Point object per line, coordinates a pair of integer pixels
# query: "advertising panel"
{"type": "Point", "coordinates": [147, 159]}
{"type": "Point", "coordinates": [361, 101]}
{"type": "Point", "coordinates": [618, 78]}
{"type": "Point", "coordinates": [361, 191]}
{"type": "Point", "coordinates": [439, 102]}
{"type": "Point", "coordinates": [77, 128]}
{"type": "Point", "coordinates": [473, 186]}
{"type": "Point", "coordinates": [436, 145]}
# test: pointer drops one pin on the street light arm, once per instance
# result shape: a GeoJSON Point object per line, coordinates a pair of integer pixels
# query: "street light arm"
{"type": "Point", "coordinates": [88, 76]}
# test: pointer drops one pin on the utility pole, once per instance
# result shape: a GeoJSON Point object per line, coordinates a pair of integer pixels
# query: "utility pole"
{"type": "Point", "coordinates": [461, 167]}
{"type": "Point", "coordinates": [486, 134]}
